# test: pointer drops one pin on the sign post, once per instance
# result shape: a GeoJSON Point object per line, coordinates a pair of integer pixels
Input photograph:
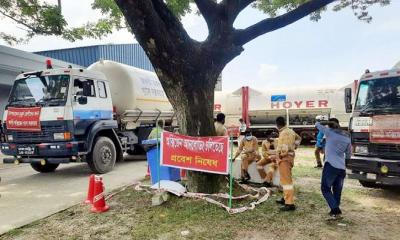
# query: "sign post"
{"type": "Point", "coordinates": [230, 172]}
{"type": "Point", "coordinates": [158, 158]}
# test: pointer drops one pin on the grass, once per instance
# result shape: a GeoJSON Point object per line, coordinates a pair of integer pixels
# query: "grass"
{"type": "Point", "coordinates": [132, 217]}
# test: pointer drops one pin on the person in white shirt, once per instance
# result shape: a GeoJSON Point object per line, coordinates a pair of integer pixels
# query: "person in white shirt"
{"type": "Point", "coordinates": [242, 130]}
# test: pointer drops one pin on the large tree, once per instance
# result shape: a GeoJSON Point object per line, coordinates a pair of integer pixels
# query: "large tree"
{"type": "Point", "coordinates": [188, 69]}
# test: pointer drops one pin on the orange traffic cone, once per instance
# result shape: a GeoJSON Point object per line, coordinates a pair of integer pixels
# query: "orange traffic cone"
{"type": "Point", "coordinates": [89, 199]}
{"type": "Point", "coordinates": [99, 203]}
{"type": "Point", "coordinates": [183, 174]}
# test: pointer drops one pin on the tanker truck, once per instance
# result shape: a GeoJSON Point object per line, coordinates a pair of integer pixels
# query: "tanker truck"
{"type": "Point", "coordinates": [299, 106]}
{"type": "Point", "coordinates": [92, 115]}
{"type": "Point", "coordinates": [375, 129]}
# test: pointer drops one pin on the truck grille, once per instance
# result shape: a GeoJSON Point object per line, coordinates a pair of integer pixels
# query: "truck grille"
{"type": "Point", "coordinates": [45, 135]}
{"type": "Point", "coordinates": [386, 150]}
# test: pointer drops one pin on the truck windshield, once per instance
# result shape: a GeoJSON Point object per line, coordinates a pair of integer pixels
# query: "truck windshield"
{"type": "Point", "coordinates": [43, 91]}
{"type": "Point", "coordinates": [379, 95]}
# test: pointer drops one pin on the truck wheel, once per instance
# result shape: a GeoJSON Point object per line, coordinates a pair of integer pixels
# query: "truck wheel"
{"type": "Point", "coordinates": [48, 167]}
{"type": "Point", "coordinates": [369, 184]}
{"type": "Point", "coordinates": [103, 156]}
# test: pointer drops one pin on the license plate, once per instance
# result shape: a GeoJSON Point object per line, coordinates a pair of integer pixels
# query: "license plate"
{"type": "Point", "coordinates": [371, 176]}
{"type": "Point", "coordinates": [26, 150]}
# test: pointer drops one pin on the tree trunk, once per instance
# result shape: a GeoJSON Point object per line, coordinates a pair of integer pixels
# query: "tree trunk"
{"type": "Point", "coordinates": [193, 101]}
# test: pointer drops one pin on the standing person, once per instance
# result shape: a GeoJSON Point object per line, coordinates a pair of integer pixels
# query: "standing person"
{"type": "Point", "coordinates": [242, 130]}
{"type": "Point", "coordinates": [287, 143]}
{"type": "Point", "coordinates": [319, 148]}
{"type": "Point", "coordinates": [337, 150]}
{"type": "Point", "coordinates": [248, 147]}
{"type": "Point", "coordinates": [219, 125]}
{"type": "Point", "coordinates": [1, 132]}
{"type": "Point", "coordinates": [157, 129]}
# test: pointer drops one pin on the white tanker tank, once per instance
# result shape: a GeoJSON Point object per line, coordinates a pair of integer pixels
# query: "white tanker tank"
{"type": "Point", "coordinates": [137, 94]}
{"type": "Point", "coordinates": [298, 106]}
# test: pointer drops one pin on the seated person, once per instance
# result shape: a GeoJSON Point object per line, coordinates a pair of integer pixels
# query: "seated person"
{"type": "Point", "coordinates": [248, 147]}
{"type": "Point", "coordinates": [268, 157]}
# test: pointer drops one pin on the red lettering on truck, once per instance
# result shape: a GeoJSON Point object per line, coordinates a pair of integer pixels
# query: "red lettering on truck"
{"type": "Point", "coordinates": [287, 104]}
{"type": "Point", "coordinates": [275, 105]}
{"type": "Point", "coordinates": [323, 103]}
{"type": "Point", "coordinates": [298, 103]}
{"type": "Point", "coordinates": [309, 104]}
{"type": "Point", "coordinates": [217, 107]}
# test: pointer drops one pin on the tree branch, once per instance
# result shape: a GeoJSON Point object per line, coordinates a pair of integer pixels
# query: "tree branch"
{"type": "Point", "coordinates": [209, 10]}
{"type": "Point", "coordinates": [151, 19]}
{"type": "Point", "coordinates": [160, 33]}
{"type": "Point", "coordinates": [239, 4]}
{"type": "Point", "coordinates": [30, 27]}
{"type": "Point", "coordinates": [244, 36]}
{"type": "Point", "coordinates": [234, 7]}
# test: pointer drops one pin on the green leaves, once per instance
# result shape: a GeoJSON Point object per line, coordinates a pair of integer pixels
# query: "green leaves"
{"type": "Point", "coordinates": [360, 7]}
{"type": "Point", "coordinates": [38, 17]}
{"type": "Point", "coordinates": [179, 7]}
{"type": "Point", "coordinates": [274, 7]}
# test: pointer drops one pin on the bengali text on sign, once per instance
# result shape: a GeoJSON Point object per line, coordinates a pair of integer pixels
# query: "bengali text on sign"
{"type": "Point", "coordinates": [385, 129]}
{"type": "Point", "coordinates": [23, 119]}
{"type": "Point", "coordinates": [204, 154]}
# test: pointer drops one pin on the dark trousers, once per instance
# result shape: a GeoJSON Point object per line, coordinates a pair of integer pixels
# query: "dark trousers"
{"type": "Point", "coordinates": [332, 185]}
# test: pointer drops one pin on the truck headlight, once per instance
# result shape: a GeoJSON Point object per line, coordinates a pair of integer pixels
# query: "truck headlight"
{"type": "Point", "coordinates": [361, 149]}
{"type": "Point", "coordinates": [62, 136]}
{"type": "Point", "coordinates": [58, 136]}
{"type": "Point", "coordinates": [10, 138]}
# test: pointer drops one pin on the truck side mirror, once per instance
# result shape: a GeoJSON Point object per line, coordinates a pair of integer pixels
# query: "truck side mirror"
{"type": "Point", "coordinates": [82, 100]}
{"type": "Point", "coordinates": [347, 100]}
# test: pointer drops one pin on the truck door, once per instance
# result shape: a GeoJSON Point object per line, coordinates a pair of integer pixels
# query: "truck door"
{"type": "Point", "coordinates": [86, 109]}
{"type": "Point", "coordinates": [104, 100]}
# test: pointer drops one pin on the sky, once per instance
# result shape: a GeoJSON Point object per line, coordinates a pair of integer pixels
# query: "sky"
{"type": "Point", "coordinates": [332, 52]}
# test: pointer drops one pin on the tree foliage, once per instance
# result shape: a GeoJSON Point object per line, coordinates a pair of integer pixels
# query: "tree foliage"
{"type": "Point", "coordinates": [38, 17]}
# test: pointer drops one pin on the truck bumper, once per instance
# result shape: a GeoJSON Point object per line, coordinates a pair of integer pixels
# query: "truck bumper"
{"type": "Point", "coordinates": [374, 169]}
{"type": "Point", "coordinates": [15, 160]}
{"type": "Point", "coordinates": [59, 152]}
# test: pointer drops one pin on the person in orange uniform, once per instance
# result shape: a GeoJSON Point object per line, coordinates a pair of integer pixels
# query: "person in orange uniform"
{"type": "Point", "coordinates": [287, 143]}
{"type": "Point", "coordinates": [248, 147]}
{"type": "Point", "coordinates": [268, 157]}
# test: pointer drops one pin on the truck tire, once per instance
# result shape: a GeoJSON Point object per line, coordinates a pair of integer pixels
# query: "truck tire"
{"type": "Point", "coordinates": [103, 156]}
{"type": "Point", "coordinates": [368, 184]}
{"type": "Point", "coordinates": [48, 167]}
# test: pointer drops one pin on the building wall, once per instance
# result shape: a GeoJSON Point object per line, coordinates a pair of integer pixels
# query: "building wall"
{"type": "Point", "coordinates": [129, 54]}
{"type": "Point", "coordinates": [4, 92]}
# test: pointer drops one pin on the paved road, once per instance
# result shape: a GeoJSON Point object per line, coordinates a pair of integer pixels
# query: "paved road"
{"type": "Point", "coordinates": [27, 196]}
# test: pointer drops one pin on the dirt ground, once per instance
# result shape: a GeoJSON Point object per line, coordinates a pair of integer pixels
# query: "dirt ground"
{"type": "Point", "coordinates": [368, 214]}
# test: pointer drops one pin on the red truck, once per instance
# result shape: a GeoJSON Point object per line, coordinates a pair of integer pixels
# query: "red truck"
{"type": "Point", "coordinates": [375, 129]}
